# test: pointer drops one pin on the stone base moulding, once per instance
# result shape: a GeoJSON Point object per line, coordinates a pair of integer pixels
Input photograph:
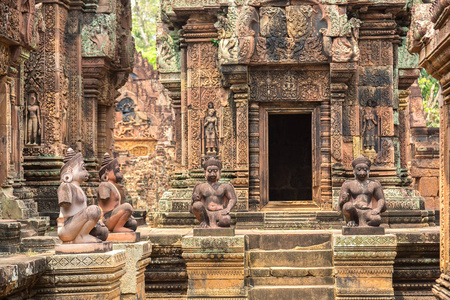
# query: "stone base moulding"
{"type": "Point", "coordinates": [215, 267]}
{"type": "Point", "coordinates": [364, 265]}
{"type": "Point", "coordinates": [132, 284]}
{"type": "Point", "coordinates": [82, 276]}
{"type": "Point", "coordinates": [83, 248]}
{"type": "Point", "coordinates": [124, 237]}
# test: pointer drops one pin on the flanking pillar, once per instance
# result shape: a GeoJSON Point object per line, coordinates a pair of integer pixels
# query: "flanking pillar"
{"type": "Point", "coordinates": [215, 266]}
{"type": "Point", "coordinates": [364, 266]}
{"type": "Point", "coordinates": [132, 284]}
{"type": "Point", "coordinates": [82, 276]}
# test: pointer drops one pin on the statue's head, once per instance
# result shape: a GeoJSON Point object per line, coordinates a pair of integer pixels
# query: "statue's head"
{"type": "Point", "coordinates": [212, 168]}
{"type": "Point", "coordinates": [32, 98]}
{"type": "Point", "coordinates": [211, 110]}
{"type": "Point", "coordinates": [73, 169]}
{"type": "Point", "coordinates": [361, 167]}
{"type": "Point", "coordinates": [110, 169]}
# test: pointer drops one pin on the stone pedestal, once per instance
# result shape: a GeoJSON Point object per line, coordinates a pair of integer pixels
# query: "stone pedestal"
{"type": "Point", "coordinates": [10, 236]}
{"type": "Point", "coordinates": [82, 276]}
{"type": "Point", "coordinates": [215, 266]}
{"type": "Point", "coordinates": [364, 266]}
{"type": "Point", "coordinates": [132, 284]}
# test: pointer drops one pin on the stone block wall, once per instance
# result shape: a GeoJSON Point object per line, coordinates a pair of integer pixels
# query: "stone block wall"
{"type": "Point", "coordinates": [424, 151]}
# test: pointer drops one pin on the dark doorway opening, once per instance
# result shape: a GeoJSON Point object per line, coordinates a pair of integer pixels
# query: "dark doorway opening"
{"type": "Point", "coordinates": [290, 157]}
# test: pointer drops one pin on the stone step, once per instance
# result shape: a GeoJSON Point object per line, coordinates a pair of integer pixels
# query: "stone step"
{"type": "Point", "coordinates": [24, 233]}
{"type": "Point", "coordinates": [317, 292]}
{"type": "Point", "coordinates": [291, 258]}
{"type": "Point", "coordinates": [290, 240]}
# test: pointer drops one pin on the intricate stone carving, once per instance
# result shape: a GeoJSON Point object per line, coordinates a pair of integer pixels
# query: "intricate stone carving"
{"type": "Point", "coordinates": [167, 47]}
{"type": "Point", "coordinates": [369, 129]}
{"type": "Point", "coordinates": [289, 86]}
{"type": "Point", "coordinates": [99, 36]}
{"type": "Point", "coordinates": [299, 20]}
{"type": "Point", "coordinates": [341, 36]}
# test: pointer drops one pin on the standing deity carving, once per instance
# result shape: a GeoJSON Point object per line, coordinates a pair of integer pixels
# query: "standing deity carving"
{"type": "Point", "coordinates": [211, 130]}
{"type": "Point", "coordinates": [33, 119]}
{"type": "Point", "coordinates": [369, 129]}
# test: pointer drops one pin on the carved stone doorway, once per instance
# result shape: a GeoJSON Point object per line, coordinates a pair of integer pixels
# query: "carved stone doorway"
{"type": "Point", "coordinates": [290, 157]}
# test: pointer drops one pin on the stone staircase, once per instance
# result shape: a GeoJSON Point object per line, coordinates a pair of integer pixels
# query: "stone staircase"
{"type": "Point", "coordinates": [290, 220]}
{"type": "Point", "coordinates": [290, 265]}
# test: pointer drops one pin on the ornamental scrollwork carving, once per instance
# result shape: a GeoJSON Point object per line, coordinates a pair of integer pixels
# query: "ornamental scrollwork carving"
{"type": "Point", "coordinates": [168, 50]}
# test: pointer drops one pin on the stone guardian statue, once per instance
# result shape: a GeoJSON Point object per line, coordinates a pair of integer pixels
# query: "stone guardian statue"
{"type": "Point", "coordinates": [117, 215]}
{"type": "Point", "coordinates": [361, 200]}
{"type": "Point", "coordinates": [212, 201]}
{"type": "Point", "coordinates": [78, 223]}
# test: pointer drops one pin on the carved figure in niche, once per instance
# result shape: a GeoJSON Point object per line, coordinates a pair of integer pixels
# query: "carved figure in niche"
{"type": "Point", "coordinates": [130, 115]}
{"type": "Point", "coordinates": [369, 129]}
{"type": "Point", "coordinates": [212, 201]}
{"type": "Point", "coordinates": [227, 51]}
{"type": "Point", "coordinates": [361, 200]}
{"type": "Point", "coordinates": [116, 216]}
{"type": "Point", "coordinates": [77, 223]}
{"type": "Point", "coordinates": [33, 119]}
{"type": "Point", "coordinates": [211, 129]}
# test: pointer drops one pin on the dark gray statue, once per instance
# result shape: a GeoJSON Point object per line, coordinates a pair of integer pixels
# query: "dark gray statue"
{"type": "Point", "coordinates": [362, 199]}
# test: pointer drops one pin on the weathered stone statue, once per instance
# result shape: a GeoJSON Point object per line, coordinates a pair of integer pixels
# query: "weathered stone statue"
{"type": "Point", "coordinates": [80, 222]}
{"type": "Point", "coordinates": [212, 201]}
{"type": "Point", "coordinates": [361, 200]}
{"type": "Point", "coordinates": [211, 124]}
{"type": "Point", "coordinates": [116, 214]}
{"type": "Point", "coordinates": [33, 119]}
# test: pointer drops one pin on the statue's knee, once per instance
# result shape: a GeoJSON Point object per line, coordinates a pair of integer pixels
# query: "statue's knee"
{"type": "Point", "coordinates": [93, 212]}
{"type": "Point", "coordinates": [127, 207]}
{"type": "Point", "coordinates": [225, 221]}
{"type": "Point", "coordinates": [375, 220]}
{"type": "Point", "coordinates": [197, 206]}
{"type": "Point", "coordinates": [348, 207]}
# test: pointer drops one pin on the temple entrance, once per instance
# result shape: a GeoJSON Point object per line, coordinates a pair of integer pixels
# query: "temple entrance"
{"type": "Point", "coordinates": [290, 157]}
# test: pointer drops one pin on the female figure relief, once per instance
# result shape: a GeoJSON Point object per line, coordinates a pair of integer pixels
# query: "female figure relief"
{"type": "Point", "coordinates": [369, 129]}
{"type": "Point", "coordinates": [211, 130]}
{"type": "Point", "coordinates": [33, 119]}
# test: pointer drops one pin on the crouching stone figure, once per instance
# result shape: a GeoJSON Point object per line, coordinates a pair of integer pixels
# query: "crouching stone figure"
{"type": "Point", "coordinates": [78, 223]}
{"type": "Point", "coordinates": [212, 201]}
{"type": "Point", "coordinates": [111, 195]}
{"type": "Point", "coordinates": [361, 200]}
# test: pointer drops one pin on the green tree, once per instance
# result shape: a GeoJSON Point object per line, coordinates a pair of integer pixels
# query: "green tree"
{"type": "Point", "coordinates": [430, 93]}
{"type": "Point", "coordinates": [145, 16]}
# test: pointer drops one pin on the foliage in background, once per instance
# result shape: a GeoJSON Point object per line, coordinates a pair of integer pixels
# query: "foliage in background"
{"type": "Point", "coordinates": [145, 16]}
{"type": "Point", "coordinates": [430, 90]}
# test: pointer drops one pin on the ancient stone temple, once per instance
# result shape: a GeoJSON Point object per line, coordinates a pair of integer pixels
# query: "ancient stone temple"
{"type": "Point", "coordinates": [287, 94]}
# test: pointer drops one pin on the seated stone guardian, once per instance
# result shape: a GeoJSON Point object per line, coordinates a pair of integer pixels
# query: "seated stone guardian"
{"type": "Point", "coordinates": [212, 201]}
{"type": "Point", "coordinates": [117, 215]}
{"type": "Point", "coordinates": [78, 223]}
{"type": "Point", "coordinates": [361, 200]}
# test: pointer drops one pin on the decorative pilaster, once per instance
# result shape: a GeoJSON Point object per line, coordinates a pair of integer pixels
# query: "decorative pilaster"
{"type": "Point", "coordinates": [364, 266]}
